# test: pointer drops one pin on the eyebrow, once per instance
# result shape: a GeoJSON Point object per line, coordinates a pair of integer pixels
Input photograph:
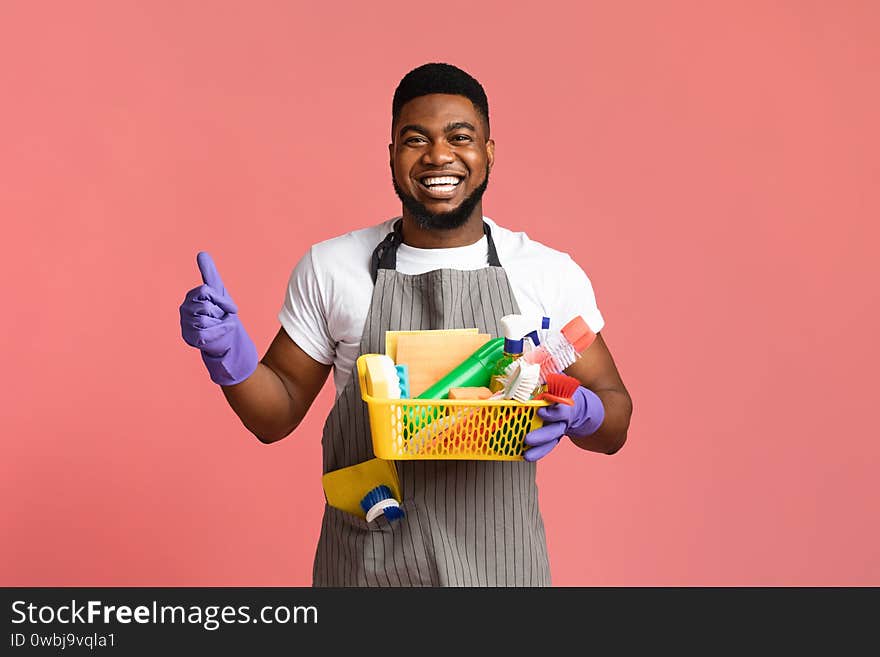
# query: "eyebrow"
{"type": "Point", "coordinates": [454, 125]}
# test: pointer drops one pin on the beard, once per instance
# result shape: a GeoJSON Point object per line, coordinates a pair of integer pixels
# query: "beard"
{"type": "Point", "coordinates": [441, 220]}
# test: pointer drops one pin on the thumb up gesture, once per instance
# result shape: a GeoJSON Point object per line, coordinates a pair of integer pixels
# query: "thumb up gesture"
{"type": "Point", "coordinates": [209, 322]}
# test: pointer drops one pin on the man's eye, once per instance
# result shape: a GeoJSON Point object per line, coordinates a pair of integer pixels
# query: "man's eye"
{"type": "Point", "coordinates": [415, 140]}
{"type": "Point", "coordinates": [461, 138]}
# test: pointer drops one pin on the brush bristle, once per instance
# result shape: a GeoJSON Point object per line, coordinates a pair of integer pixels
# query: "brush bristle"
{"type": "Point", "coordinates": [523, 379]}
{"type": "Point", "coordinates": [376, 495]}
{"type": "Point", "coordinates": [393, 513]}
{"type": "Point", "coordinates": [379, 494]}
{"type": "Point", "coordinates": [546, 396]}
{"type": "Point", "coordinates": [560, 386]}
{"type": "Point", "coordinates": [562, 355]}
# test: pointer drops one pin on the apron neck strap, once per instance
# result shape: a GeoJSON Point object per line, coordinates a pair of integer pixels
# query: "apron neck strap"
{"type": "Point", "coordinates": [385, 254]}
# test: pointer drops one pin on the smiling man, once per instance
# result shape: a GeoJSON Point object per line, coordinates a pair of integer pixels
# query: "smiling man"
{"type": "Point", "coordinates": [442, 264]}
{"type": "Point", "coordinates": [441, 191]}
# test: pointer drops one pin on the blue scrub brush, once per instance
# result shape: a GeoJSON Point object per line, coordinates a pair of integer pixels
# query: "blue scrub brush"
{"type": "Point", "coordinates": [380, 500]}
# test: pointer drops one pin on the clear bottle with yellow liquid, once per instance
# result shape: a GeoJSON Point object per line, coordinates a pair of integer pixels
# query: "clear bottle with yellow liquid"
{"type": "Point", "coordinates": [514, 328]}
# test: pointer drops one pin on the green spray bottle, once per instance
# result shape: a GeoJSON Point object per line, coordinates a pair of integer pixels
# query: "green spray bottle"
{"type": "Point", "coordinates": [475, 371]}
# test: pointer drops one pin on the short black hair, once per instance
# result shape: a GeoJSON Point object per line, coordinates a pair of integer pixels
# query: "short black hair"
{"type": "Point", "coordinates": [438, 78]}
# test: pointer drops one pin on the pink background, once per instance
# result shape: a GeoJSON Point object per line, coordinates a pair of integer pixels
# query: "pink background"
{"type": "Point", "coordinates": [712, 166]}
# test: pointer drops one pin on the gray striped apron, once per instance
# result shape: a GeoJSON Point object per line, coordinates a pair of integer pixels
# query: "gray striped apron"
{"type": "Point", "coordinates": [467, 523]}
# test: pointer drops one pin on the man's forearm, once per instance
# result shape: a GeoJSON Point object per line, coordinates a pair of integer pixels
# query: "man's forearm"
{"type": "Point", "coordinates": [263, 404]}
{"type": "Point", "coordinates": [611, 434]}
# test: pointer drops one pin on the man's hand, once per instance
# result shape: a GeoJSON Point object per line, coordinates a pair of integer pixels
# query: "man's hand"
{"type": "Point", "coordinates": [581, 419]}
{"type": "Point", "coordinates": [209, 321]}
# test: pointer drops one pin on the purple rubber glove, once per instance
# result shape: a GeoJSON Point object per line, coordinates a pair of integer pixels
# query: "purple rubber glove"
{"type": "Point", "coordinates": [560, 420]}
{"type": "Point", "coordinates": [209, 321]}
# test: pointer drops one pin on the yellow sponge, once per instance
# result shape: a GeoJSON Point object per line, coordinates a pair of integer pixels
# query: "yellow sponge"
{"type": "Point", "coordinates": [381, 376]}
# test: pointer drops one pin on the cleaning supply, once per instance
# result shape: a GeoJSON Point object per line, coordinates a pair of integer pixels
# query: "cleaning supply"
{"type": "Point", "coordinates": [514, 328]}
{"type": "Point", "coordinates": [536, 336]}
{"type": "Point", "coordinates": [385, 379]}
{"type": "Point", "coordinates": [544, 359]}
{"type": "Point", "coordinates": [578, 334]}
{"type": "Point", "coordinates": [391, 338]}
{"type": "Point", "coordinates": [476, 432]}
{"type": "Point", "coordinates": [545, 328]}
{"type": "Point", "coordinates": [470, 393]}
{"type": "Point", "coordinates": [403, 429]}
{"type": "Point", "coordinates": [560, 350]}
{"type": "Point", "coordinates": [347, 488]}
{"type": "Point", "coordinates": [403, 378]}
{"type": "Point", "coordinates": [560, 388]}
{"type": "Point", "coordinates": [432, 353]}
{"type": "Point", "coordinates": [429, 435]}
{"type": "Point", "coordinates": [519, 381]}
{"type": "Point", "coordinates": [473, 371]}
{"type": "Point", "coordinates": [381, 501]}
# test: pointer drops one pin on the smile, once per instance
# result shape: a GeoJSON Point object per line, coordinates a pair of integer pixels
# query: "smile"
{"type": "Point", "coordinates": [440, 186]}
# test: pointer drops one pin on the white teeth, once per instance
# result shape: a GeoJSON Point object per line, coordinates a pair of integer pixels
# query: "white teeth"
{"type": "Point", "coordinates": [440, 180]}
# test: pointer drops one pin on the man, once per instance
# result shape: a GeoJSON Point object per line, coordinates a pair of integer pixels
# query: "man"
{"type": "Point", "coordinates": [441, 265]}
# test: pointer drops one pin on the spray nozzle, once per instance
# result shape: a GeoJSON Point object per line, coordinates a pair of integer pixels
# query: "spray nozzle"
{"type": "Point", "coordinates": [514, 328]}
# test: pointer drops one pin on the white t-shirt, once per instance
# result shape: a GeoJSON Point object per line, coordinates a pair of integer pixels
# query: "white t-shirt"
{"type": "Point", "coordinates": [329, 291]}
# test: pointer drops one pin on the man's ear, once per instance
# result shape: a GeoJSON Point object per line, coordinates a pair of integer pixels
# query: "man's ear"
{"type": "Point", "coordinates": [490, 152]}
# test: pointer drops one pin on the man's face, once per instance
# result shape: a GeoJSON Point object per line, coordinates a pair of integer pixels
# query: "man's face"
{"type": "Point", "coordinates": [440, 159]}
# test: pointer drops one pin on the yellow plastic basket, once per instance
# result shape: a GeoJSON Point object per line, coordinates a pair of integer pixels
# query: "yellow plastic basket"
{"type": "Point", "coordinates": [405, 429]}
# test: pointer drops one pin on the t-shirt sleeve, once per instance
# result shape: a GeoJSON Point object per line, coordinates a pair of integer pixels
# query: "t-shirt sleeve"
{"type": "Point", "coordinates": [576, 296]}
{"type": "Point", "coordinates": [303, 314]}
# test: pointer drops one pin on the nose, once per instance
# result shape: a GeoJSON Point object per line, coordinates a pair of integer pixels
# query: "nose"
{"type": "Point", "coordinates": [438, 153]}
